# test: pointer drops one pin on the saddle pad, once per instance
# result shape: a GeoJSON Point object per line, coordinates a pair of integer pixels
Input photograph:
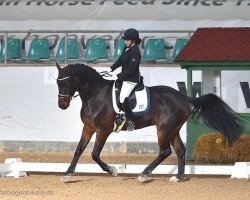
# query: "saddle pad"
{"type": "Point", "coordinates": [142, 101]}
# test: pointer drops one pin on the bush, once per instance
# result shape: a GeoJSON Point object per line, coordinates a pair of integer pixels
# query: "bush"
{"type": "Point", "coordinates": [212, 148]}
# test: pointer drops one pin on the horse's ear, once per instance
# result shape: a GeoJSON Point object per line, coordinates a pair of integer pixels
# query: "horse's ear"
{"type": "Point", "coordinates": [58, 66]}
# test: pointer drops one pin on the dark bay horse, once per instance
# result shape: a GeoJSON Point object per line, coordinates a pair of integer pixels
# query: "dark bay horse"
{"type": "Point", "coordinates": [169, 110]}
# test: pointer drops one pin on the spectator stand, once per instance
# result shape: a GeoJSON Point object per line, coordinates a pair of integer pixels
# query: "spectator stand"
{"type": "Point", "coordinates": [45, 46]}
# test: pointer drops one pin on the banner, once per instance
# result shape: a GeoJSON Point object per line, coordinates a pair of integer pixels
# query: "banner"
{"type": "Point", "coordinates": [125, 10]}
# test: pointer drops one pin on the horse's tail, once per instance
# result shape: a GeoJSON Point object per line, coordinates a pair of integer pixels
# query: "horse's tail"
{"type": "Point", "coordinates": [218, 115]}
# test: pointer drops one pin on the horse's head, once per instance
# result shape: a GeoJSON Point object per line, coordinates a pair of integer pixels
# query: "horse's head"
{"type": "Point", "coordinates": [67, 85]}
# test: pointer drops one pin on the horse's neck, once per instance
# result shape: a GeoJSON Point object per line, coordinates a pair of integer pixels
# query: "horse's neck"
{"type": "Point", "coordinates": [89, 90]}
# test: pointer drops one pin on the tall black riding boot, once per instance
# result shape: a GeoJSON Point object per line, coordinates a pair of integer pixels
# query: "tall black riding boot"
{"type": "Point", "coordinates": [129, 115]}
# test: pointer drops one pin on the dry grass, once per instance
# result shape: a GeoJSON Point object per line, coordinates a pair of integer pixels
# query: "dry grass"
{"type": "Point", "coordinates": [212, 148]}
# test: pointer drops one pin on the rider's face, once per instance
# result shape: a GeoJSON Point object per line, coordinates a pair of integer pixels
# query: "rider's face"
{"type": "Point", "coordinates": [128, 43]}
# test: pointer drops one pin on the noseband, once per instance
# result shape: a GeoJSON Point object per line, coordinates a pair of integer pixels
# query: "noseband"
{"type": "Point", "coordinates": [61, 96]}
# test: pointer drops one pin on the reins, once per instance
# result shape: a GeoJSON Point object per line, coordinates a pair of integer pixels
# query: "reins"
{"type": "Point", "coordinates": [103, 74]}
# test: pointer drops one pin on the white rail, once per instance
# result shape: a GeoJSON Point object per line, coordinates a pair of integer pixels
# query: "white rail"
{"type": "Point", "coordinates": [15, 167]}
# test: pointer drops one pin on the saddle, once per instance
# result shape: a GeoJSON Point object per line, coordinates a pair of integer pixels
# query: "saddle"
{"type": "Point", "coordinates": [139, 101]}
{"type": "Point", "coordinates": [139, 98]}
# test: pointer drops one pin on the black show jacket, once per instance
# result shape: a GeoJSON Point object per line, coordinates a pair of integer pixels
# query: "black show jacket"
{"type": "Point", "coordinates": [129, 60]}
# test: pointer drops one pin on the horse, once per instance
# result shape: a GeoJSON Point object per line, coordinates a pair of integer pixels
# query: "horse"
{"type": "Point", "coordinates": [169, 110]}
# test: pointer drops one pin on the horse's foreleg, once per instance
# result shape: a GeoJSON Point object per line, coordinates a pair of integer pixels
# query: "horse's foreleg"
{"type": "Point", "coordinates": [180, 150]}
{"type": "Point", "coordinates": [86, 136]}
{"type": "Point", "coordinates": [99, 143]}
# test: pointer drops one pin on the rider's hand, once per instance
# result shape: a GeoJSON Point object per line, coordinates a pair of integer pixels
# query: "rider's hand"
{"type": "Point", "coordinates": [106, 73]}
{"type": "Point", "coordinates": [113, 77]}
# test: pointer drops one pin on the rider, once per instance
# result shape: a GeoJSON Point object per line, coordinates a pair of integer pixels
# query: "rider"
{"type": "Point", "coordinates": [130, 75]}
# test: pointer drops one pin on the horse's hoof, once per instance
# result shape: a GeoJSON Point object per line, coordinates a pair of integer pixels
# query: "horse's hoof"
{"type": "Point", "coordinates": [173, 179]}
{"type": "Point", "coordinates": [113, 171]}
{"type": "Point", "coordinates": [66, 178]}
{"type": "Point", "coordinates": [143, 178]}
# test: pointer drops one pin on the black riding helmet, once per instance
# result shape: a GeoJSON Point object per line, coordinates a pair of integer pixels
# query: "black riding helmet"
{"type": "Point", "coordinates": [132, 34]}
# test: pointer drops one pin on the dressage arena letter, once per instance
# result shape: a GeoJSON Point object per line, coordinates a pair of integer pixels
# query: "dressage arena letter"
{"type": "Point", "coordinates": [246, 92]}
{"type": "Point", "coordinates": [196, 88]}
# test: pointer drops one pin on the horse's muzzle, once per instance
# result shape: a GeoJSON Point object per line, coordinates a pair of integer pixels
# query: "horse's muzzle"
{"type": "Point", "coordinates": [63, 103]}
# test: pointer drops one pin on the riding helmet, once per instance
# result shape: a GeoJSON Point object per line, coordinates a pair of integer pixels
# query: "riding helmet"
{"type": "Point", "coordinates": [132, 34]}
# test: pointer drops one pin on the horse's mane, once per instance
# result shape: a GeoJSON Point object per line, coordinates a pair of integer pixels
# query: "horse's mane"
{"type": "Point", "coordinates": [85, 72]}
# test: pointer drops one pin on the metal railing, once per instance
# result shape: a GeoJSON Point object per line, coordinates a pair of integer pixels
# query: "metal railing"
{"type": "Point", "coordinates": [67, 32]}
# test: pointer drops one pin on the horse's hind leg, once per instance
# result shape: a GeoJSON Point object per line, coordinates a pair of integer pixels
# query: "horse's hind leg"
{"type": "Point", "coordinates": [86, 136]}
{"type": "Point", "coordinates": [180, 150]}
{"type": "Point", "coordinates": [165, 151]}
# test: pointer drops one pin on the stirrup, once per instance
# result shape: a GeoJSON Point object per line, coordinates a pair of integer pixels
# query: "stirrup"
{"type": "Point", "coordinates": [130, 125]}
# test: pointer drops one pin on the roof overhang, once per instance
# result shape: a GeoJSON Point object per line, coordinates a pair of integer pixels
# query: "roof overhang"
{"type": "Point", "coordinates": [216, 65]}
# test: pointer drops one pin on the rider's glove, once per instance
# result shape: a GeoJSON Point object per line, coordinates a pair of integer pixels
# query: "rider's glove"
{"type": "Point", "coordinates": [113, 77]}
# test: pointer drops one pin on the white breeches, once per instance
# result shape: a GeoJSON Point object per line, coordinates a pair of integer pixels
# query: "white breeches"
{"type": "Point", "coordinates": [126, 90]}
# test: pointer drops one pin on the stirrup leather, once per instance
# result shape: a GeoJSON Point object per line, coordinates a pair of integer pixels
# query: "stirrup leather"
{"type": "Point", "coordinates": [130, 125]}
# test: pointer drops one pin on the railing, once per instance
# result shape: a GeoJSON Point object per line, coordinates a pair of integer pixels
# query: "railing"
{"type": "Point", "coordinates": [67, 32]}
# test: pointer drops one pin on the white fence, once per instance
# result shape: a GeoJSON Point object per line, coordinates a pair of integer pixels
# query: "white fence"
{"type": "Point", "coordinates": [16, 168]}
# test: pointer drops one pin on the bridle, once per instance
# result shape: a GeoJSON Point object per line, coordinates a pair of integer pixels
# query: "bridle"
{"type": "Point", "coordinates": [61, 96]}
{"type": "Point", "coordinates": [71, 97]}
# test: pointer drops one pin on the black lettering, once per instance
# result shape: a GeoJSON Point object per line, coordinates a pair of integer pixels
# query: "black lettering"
{"type": "Point", "coordinates": [187, 2]}
{"type": "Point", "coordinates": [50, 3]}
{"type": "Point", "coordinates": [180, 2]}
{"type": "Point", "coordinates": [1, 39]}
{"type": "Point", "coordinates": [55, 39]}
{"type": "Point", "coordinates": [10, 2]}
{"type": "Point", "coordinates": [61, 3]}
{"type": "Point", "coordinates": [28, 3]}
{"type": "Point", "coordinates": [83, 41]}
{"type": "Point", "coordinates": [7, 3]}
{"type": "Point", "coordinates": [73, 3]}
{"type": "Point", "coordinates": [218, 2]}
{"type": "Point", "coordinates": [118, 2]}
{"type": "Point", "coordinates": [102, 2]}
{"type": "Point", "coordinates": [168, 2]}
{"type": "Point", "coordinates": [196, 88]}
{"type": "Point", "coordinates": [86, 2]}
{"type": "Point", "coordinates": [39, 3]}
{"type": "Point", "coordinates": [204, 3]}
{"type": "Point", "coordinates": [132, 3]}
{"type": "Point", "coordinates": [151, 2]}
{"type": "Point", "coordinates": [196, 2]}
{"type": "Point", "coordinates": [70, 3]}
{"type": "Point", "coordinates": [26, 37]}
{"type": "Point", "coordinates": [246, 92]}
{"type": "Point", "coordinates": [239, 2]}
{"type": "Point", "coordinates": [184, 2]}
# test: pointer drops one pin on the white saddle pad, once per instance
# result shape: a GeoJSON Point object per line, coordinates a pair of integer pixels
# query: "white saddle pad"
{"type": "Point", "coordinates": [142, 101]}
